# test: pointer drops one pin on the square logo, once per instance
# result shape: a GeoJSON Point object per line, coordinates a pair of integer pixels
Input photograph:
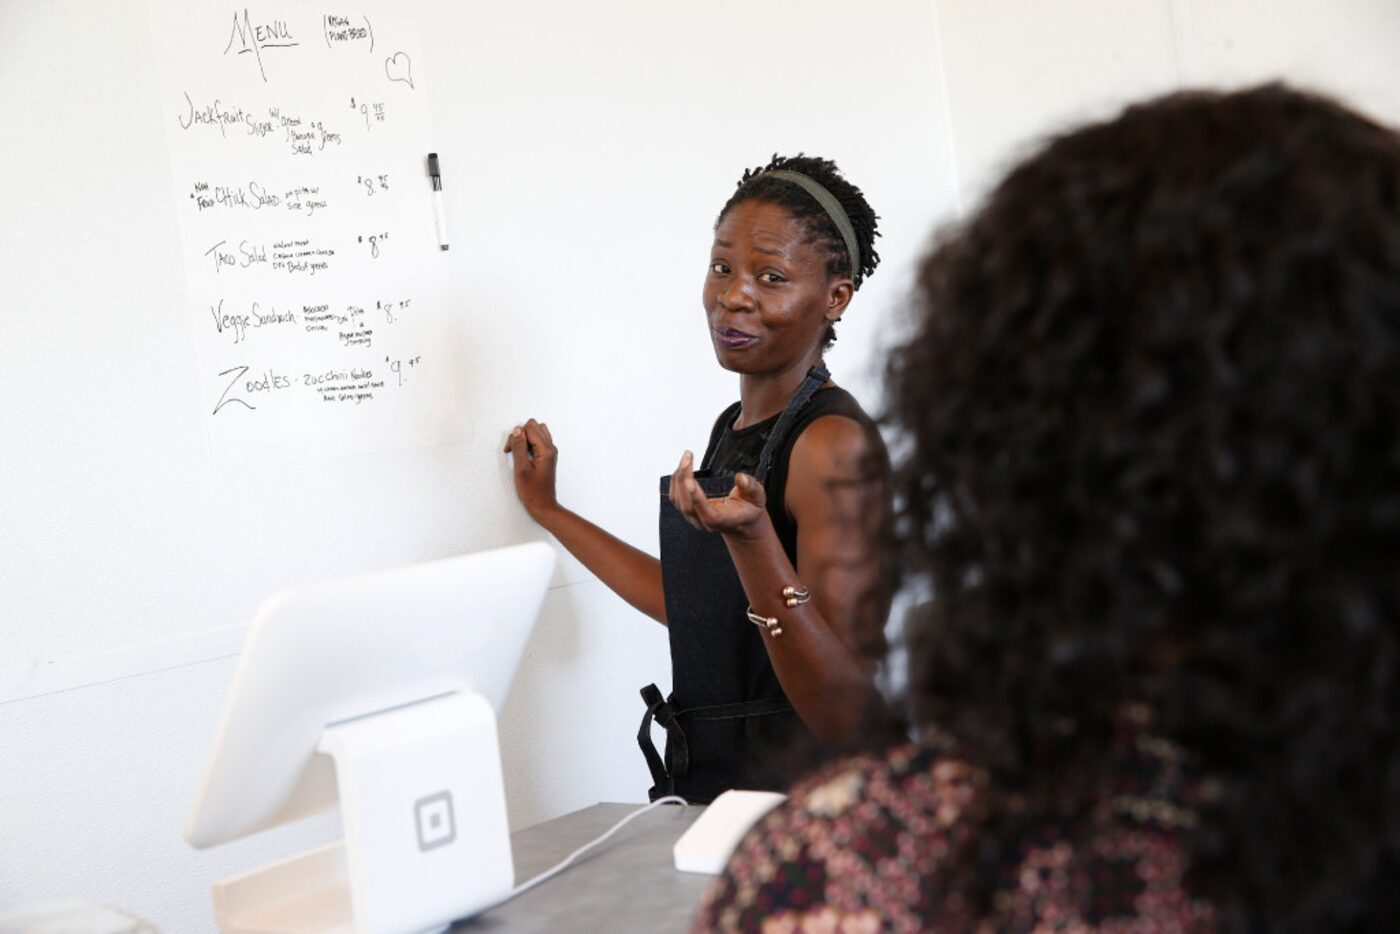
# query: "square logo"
{"type": "Point", "coordinates": [436, 824]}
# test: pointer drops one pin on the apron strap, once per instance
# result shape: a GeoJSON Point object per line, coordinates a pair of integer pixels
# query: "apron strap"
{"type": "Point", "coordinates": [816, 378]}
{"type": "Point", "coordinates": [659, 709]}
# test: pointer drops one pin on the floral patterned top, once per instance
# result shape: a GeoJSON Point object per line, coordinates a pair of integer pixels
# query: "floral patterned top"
{"type": "Point", "coordinates": [855, 847]}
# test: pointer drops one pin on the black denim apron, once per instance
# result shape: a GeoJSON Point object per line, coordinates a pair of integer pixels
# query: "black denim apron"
{"type": "Point", "coordinates": [727, 722]}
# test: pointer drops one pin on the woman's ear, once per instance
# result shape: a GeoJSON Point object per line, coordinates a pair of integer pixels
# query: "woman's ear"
{"type": "Point", "coordinates": [838, 297]}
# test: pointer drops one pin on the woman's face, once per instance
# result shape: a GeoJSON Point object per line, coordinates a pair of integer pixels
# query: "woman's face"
{"type": "Point", "coordinates": [767, 296]}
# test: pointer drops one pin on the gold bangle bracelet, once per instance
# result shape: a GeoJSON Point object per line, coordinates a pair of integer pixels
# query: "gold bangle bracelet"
{"type": "Point", "coordinates": [770, 623]}
{"type": "Point", "coordinates": [792, 596]}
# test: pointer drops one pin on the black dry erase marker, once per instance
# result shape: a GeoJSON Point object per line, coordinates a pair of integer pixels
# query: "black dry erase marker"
{"type": "Point", "coordinates": [439, 218]}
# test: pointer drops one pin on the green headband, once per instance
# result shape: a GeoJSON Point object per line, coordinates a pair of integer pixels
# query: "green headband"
{"type": "Point", "coordinates": [832, 207]}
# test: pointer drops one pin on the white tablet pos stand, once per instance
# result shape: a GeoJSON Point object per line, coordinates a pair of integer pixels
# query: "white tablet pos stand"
{"type": "Point", "coordinates": [378, 693]}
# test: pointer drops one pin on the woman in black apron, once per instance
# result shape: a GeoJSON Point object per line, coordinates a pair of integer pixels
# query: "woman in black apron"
{"type": "Point", "coordinates": [770, 552]}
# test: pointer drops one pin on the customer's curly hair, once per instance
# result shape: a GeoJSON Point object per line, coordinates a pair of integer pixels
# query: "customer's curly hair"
{"type": "Point", "coordinates": [1151, 420]}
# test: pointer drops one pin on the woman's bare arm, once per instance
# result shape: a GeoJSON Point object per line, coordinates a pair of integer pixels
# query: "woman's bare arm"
{"type": "Point", "coordinates": [629, 572]}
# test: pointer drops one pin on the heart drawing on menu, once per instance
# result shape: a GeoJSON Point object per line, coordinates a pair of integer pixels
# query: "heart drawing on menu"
{"type": "Point", "coordinates": [398, 68]}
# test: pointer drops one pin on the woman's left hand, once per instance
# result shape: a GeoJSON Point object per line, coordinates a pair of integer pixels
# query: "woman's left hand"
{"type": "Point", "coordinates": [740, 514]}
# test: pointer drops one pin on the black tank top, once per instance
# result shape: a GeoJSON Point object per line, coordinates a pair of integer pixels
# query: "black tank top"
{"type": "Point", "coordinates": [734, 450]}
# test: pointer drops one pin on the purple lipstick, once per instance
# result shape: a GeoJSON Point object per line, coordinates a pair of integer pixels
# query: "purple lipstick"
{"type": "Point", "coordinates": [732, 338]}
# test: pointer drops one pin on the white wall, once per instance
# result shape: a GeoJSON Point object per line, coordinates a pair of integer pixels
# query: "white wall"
{"type": "Point", "coordinates": [1017, 70]}
{"type": "Point", "coordinates": [587, 147]}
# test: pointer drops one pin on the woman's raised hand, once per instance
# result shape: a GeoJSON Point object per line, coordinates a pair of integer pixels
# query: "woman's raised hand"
{"type": "Point", "coordinates": [633, 575]}
{"type": "Point", "coordinates": [741, 514]}
{"type": "Point", "coordinates": [533, 454]}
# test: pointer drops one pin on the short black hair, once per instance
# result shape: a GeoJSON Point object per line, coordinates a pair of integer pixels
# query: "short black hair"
{"type": "Point", "coordinates": [818, 225]}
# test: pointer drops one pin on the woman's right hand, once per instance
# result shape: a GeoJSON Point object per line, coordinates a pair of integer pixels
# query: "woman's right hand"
{"type": "Point", "coordinates": [633, 575]}
{"type": "Point", "coordinates": [534, 456]}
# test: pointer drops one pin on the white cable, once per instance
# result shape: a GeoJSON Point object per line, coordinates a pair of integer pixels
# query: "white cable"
{"type": "Point", "coordinates": [568, 860]}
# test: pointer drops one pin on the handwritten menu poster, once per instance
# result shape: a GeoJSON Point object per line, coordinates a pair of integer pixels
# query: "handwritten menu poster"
{"type": "Point", "coordinates": [318, 287]}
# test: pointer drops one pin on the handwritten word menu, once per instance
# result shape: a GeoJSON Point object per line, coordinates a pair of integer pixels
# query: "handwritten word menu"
{"type": "Point", "coordinates": [318, 289]}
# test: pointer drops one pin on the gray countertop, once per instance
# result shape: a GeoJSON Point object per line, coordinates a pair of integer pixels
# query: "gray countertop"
{"type": "Point", "coordinates": [628, 884]}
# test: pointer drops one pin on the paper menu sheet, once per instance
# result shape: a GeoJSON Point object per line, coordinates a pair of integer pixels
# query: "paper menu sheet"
{"type": "Point", "coordinates": [318, 290]}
